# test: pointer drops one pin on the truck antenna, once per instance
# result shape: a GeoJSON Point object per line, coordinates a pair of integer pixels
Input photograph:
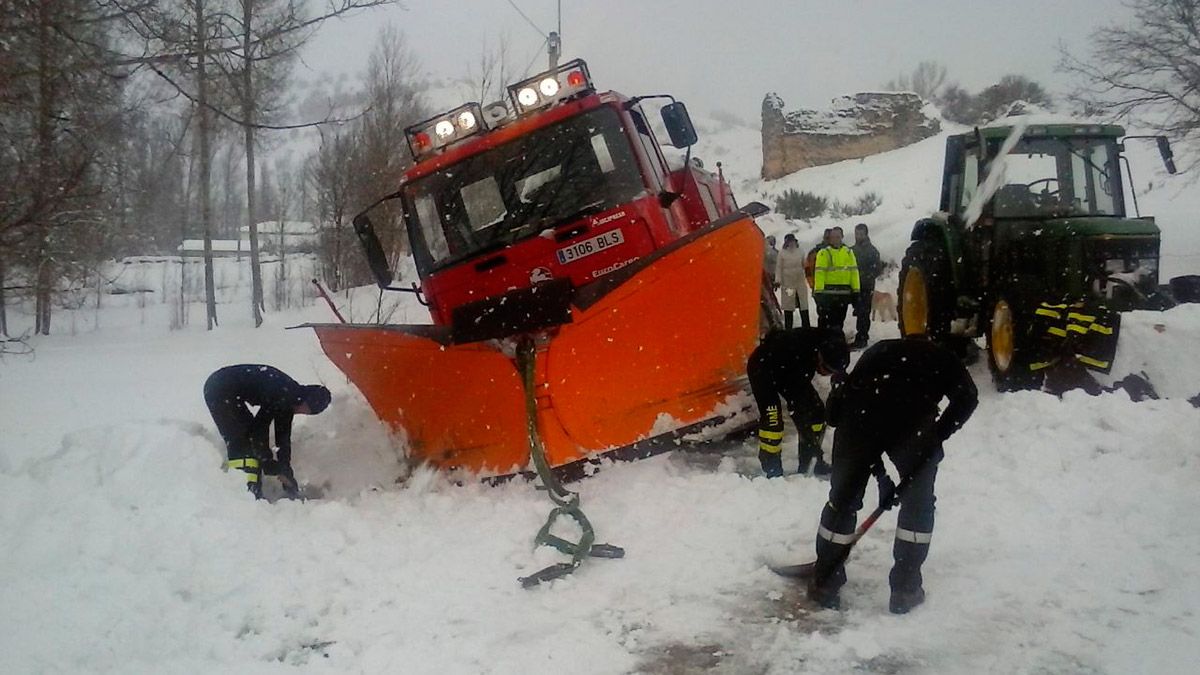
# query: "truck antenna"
{"type": "Point", "coordinates": [554, 41]}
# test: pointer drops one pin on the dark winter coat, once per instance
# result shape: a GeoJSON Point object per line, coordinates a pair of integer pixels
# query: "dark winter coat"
{"type": "Point", "coordinates": [790, 356]}
{"type": "Point", "coordinates": [869, 264]}
{"type": "Point", "coordinates": [274, 393]}
{"type": "Point", "coordinates": [895, 389]}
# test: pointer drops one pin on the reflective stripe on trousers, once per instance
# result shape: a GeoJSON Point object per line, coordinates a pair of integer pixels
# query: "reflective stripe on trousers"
{"type": "Point", "coordinates": [913, 536]}
{"type": "Point", "coordinates": [247, 464]}
{"type": "Point", "coordinates": [834, 537]}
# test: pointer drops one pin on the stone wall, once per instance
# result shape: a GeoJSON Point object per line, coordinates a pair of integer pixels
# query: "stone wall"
{"type": "Point", "coordinates": [857, 126]}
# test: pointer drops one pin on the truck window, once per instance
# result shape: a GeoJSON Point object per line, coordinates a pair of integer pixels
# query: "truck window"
{"type": "Point", "coordinates": [970, 179]}
{"type": "Point", "coordinates": [1093, 186]}
{"type": "Point", "coordinates": [649, 146]}
{"type": "Point", "coordinates": [1055, 176]}
{"type": "Point", "coordinates": [431, 227]}
{"type": "Point", "coordinates": [603, 156]}
{"type": "Point", "coordinates": [484, 205]}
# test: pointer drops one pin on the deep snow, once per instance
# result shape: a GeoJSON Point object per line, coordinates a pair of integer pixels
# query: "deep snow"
{"type": "Point", "coordinates": [1065, 538]}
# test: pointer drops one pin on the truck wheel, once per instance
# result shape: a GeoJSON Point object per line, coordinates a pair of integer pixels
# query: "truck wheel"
{"type": "Point", "coordinates": [1008, 349]}
{"type": "Point", "coordinates": [924, 287]}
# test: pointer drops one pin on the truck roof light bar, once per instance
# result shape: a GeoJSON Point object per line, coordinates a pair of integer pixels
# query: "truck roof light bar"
{"type": "Point", "coordinates": [550, 87]}
{"type": "Point", "coordinates": [435, 133]}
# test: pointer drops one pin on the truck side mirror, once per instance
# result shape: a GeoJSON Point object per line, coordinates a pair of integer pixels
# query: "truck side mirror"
{"type": "Point", "coordinates": [1168, 157]}
{"type": "Point", "coordinates": [679, 125]}
{"type": "Point", "coordinates": [376, 258]}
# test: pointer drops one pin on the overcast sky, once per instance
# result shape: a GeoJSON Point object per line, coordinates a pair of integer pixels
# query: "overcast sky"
{"type": "Point", "coordinates": [726, 54]}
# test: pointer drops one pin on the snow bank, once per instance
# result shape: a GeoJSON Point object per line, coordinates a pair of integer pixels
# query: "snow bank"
{"type": "Point", "coordinates": [1064, 539]}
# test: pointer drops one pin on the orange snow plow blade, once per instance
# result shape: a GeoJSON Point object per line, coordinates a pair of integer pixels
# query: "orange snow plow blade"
{"type": "Point", "coordinates": [456, 405]}
{"type": "Point", "coordinates": [649, 350]}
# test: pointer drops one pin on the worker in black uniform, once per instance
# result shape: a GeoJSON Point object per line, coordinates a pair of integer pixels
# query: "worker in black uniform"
{"type": "Point", "coordinates": [231, 389]}
{"type": "Point", "coordinates": [783, 365]}
{"type": "Point", "coordinates": [889, 404]}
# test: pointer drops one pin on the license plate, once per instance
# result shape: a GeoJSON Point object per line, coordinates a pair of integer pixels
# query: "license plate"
{"type": "Point", "coordinates": [582, 249]}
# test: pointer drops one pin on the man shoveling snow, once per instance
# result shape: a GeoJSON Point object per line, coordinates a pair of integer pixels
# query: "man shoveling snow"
{"type": "Point", "coordinates": [228, 393]}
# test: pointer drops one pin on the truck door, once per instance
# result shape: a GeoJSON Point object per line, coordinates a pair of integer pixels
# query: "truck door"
{"type": "Point", "coordinates": [660, 180]}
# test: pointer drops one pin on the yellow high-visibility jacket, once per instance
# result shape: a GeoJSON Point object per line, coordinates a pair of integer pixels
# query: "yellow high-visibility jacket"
{"type": "Point", "coordinates": [837, 271]}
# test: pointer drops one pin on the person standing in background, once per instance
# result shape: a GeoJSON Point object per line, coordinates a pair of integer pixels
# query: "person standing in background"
{"type": "Point", "coordinates": [835, 283]}
{"type": "Point", "coordinates": [869, 268]}
{"type": "Point", "coordinates": [789, 274]}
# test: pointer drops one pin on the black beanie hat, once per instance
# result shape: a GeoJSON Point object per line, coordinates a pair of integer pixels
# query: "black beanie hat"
{"type": "Point", "coordinates": [317, 397]}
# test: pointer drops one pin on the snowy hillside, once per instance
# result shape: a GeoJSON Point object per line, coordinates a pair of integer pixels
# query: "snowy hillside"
{"type": "Point", "coordinates": [1065, 540]}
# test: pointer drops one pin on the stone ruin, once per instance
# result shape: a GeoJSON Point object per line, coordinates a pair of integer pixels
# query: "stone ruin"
{"type": "Point", "coordinates": [857, 126]}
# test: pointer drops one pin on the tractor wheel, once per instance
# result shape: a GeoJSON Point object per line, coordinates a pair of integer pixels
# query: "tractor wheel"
{"type": "Point", "coordinates": [925, 290]}
{"type": "Point", "coordinates": [1009, 349]}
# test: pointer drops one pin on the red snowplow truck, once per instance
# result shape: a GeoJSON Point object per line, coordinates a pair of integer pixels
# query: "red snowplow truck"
{"type": "Point", "coordinates": [555, 220]}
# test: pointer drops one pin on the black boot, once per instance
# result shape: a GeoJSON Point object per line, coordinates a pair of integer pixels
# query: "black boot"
{"type": "Point", "coordinates": [824, 595]}
{"type": "Point", "coordinates": [905, 578]}
{"type": "Point", "coordinates": [822, 469]}
{"type": "Point", "coordinates": [902, 602]}
{"type": "Point", "coordinates": [250, 467]}
{"type": "Point", "coordinates": [829, 573]}
{"type": "Point", "coordinates": [807, 454]}
{"type": "Point", "coordinates": [772, 463]}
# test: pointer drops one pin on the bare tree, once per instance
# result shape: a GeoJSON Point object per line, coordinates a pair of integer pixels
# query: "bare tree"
{"type": "Point", "coordinates": [271, 32]}
{"type": "Point", "coordinates": [330, 175]}
{"type": "Point", "coordinates": [243, 42]}
{"type": "Point", "coordinates": [488, 77]}
{"type": "Point", "coordinates": [926, 80]}
{"type": "Point", "coordinates": [393, 102]}
{"type": "Point", "coordinates": [359, 162]}
{"type": "Point", "coordinates": [1148, 67]}
{"type": "Point", "coordinates": [58, 105]}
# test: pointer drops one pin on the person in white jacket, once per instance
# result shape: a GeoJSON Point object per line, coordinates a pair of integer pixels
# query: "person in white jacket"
{"type": "Point", "coordinates": [789, 275]}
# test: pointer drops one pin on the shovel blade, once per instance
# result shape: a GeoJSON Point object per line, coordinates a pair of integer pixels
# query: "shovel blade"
{"type": "Point", "coordinates": [800, 571]}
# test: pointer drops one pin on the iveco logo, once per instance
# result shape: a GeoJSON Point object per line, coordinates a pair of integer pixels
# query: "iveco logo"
{"type": "Point", "coordinates": [539, 275]}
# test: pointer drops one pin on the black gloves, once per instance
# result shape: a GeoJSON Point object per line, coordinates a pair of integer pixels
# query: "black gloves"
{"type": "Point", "coordinates": [287, 478]}
{"type": "Point", "coordinates": [290, 487]}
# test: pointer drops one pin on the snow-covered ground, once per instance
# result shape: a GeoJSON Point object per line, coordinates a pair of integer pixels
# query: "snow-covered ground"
{"type": "Point", "coordinates": [1065, 541]}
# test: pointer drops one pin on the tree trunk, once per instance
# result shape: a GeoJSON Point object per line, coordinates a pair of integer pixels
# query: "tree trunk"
{"type": "Point", "coordinates": [45, 112]}
{"type": "Point", "coordinates": [210, 291]}
{"type": "Point", "coordinates": [3, 310]}
{"type": "Point", "coordinates": [256, 282]}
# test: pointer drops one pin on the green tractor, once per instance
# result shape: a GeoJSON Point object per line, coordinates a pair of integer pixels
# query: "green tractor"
{"type": "Point", "coordinates": [1030, 214]}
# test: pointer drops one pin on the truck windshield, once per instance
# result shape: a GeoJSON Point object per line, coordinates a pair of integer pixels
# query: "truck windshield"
{"type": "Point", "coordinates": [1057, 177]}
{"type": "Point", "coordinates": [553, 175]}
